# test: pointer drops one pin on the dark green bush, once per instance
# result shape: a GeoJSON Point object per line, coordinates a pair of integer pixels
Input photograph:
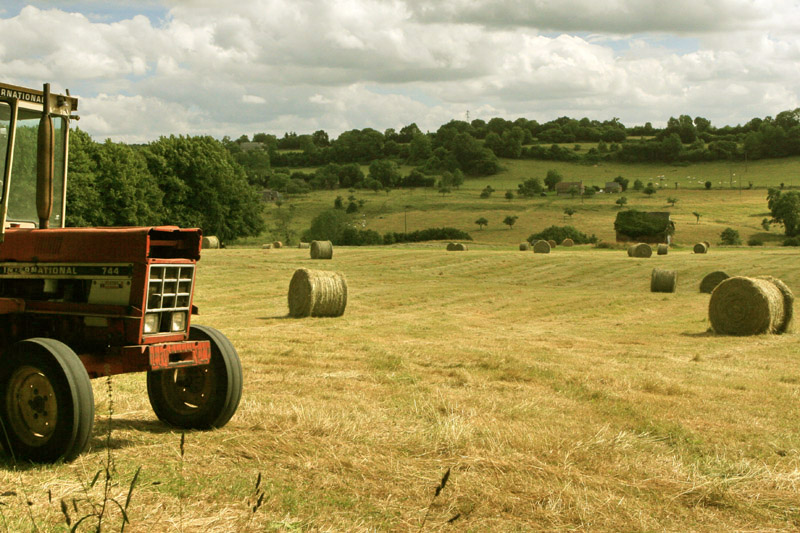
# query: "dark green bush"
{"type": "Point", "coordinates": [636, 224]}
{"type": "Point", "coordinates": [792, 241]}
{"type": "Point", "coordinates": [559, 233]}
{"type": "Point", "coordinates": [730, 237]}
{"type": "Point", "coordinates": [755, 241]}
{"type": "Point", "coordinates": [432, 234]}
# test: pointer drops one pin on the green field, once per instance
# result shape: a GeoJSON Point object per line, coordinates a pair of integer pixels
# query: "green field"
{"type": "Point", "coordinates": [724, 205]}
{"type": "Point", "coordinates": [560, 392]}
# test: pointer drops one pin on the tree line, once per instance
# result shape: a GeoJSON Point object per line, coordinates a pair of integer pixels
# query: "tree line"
{"type": "Point", "coordinates": [474, 147]}
{"type": "Point", "coordinates": [183, 181]}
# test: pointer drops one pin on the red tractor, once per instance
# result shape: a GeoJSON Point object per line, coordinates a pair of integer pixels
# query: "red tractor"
{"type": "Point", "coordinates": [80, 303]}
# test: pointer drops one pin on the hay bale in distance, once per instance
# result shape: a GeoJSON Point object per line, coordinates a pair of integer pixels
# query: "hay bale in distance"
{"type": "Point", "coordinates": [663, 249]}
{"type": "Point", "coordinates": [711, 280]}
{"type": "Point", "coordinates": [321, 249]}
{"type": "Point", "coordinates": [303, 245]}
{"type": "Point", "coordinates": [750, 306]}
{"type": "Point", "coordinates": [541, 247]}
{"type": "Point", "coordinates": [552, 243]}
{"type": "Point", "coordinates": [460, 247]}
{"type": "Point", "coordinates": [277, 244]}
{"type": "Point", "coordinates": [451, 246]}
{"type": "Point", "coordinates": [640, 250]}
{"type": "Point", "coordinates": [525, 246]}
{"type": "Point", "coordinates": [210, 241]}
{"type": "Point", "coordinates": [567, 242]}
{"type": "Point", "coordinates": [317, 293]}
{"type": "Point", "coordinates": [700, 248]}
{"type": "Point", "coordinates": [663, 280]}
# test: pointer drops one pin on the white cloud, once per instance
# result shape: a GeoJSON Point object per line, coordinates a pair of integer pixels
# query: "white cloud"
{"type": "Point", "coordinates": [311, 64]}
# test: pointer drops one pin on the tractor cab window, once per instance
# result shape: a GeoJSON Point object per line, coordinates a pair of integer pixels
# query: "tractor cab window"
{"type": "Point", "coordinates": [22, 194]}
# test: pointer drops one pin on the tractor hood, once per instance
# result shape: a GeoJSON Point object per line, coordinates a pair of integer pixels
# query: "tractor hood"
{"type": "Point", "coordinates": [100, 244]}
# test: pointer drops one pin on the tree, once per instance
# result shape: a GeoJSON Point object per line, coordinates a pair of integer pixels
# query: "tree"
{"type": "Point", "coordinates": [730, 237]}
{"type": "Point", "coordinates": [510, 220]}
{"type": "Point", "coordinates": [481, 222]}
{"type": "Point", "coordinates": [785, 209]}
{"type": "Point", "coordinates": [204, 187]}
{"type": "Point", "coordinates": [708, 185]}
{"type": "Point", "coordinates": [530, 187]}
{"type": "Point", "coordinates": [672, 200]}
{"type": "Point", "coordinates": [487, 191]}
{"type": "Point", "coordinates": [573, 191]}
{"type": "Point", "coordinates": [509, 195]}
{"type": "Point", "coordinates": [569, 211]}
{"type": "Point", "coordinates": [553, 177]}
{"type": "Point", "coordinates": [444, 190]}
{"type": "Point", "coordinates": [338, 203]}
{"type": "Point", "coordinates": [622, 201]}
{"type": "Point", "coordinates": [623, 182]}
{"type": "Point", "coordinates": [696, 214]}
{"type": "Point", "coordinates": [649, 190]}
{"type": "Point", "coordinates": [385, 171]}
{"type": "Point", "coordinates": [638, 185]}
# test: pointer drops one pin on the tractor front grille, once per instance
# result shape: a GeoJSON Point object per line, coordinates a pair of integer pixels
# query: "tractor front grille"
{"type": "Point", "coordinates": [169, 290]}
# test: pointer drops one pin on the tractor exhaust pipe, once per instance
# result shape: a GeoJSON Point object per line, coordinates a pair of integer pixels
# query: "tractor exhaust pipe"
{"type": "Point", "coordinates": [44, 163]}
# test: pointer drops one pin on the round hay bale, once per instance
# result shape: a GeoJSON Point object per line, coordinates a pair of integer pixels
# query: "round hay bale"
{"type": "Point", "coordinates": [710, 281]}
{"type": "Point", "coordinates": [750, 306]}
{"type": "Point", "coordinates": [552, 243]}
{"type": "Point", "coordinates": [451, 246]}
{"type": "Point", "coordinates": [663, 249]}
{"type": "Point", "coordinates": [277, 244]}
{"type": "Point", "coordinates": [321, 249]}
{"type": "Point", "coordinates": [640, 250]}
{"type": "Point", "coordinates": [303, 245]}
{"type": "Point", "coordinates": [460, 247]}
{"type": "Point", "coordinates": [567, 242]}
{"type": "Point", "coordinates": [788, 303]}
{"type": "Point", "coordinates": [663, 280]}
{"type": "Point", "coordinates": [700, 248]}
{"type": "Point", "coordinates": [525, 246]}
{"type": "Point", "coordinates": [541, 247]}
{"type": "Point", "coordinates": [266, 246]}
{"type": "Point", "coordinates": [210, 241]}
{"type": "Point", "coordinates": [317, 293]}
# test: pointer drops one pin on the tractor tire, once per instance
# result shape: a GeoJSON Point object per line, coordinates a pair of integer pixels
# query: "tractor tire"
{"type": "Point", "coordinates": [199, 397]}
{"type": "Point", "coordinates": [47, 409]}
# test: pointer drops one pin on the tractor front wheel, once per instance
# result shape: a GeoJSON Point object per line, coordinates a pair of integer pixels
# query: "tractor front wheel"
{"type": "Point", "coordinates": [47, 409]}
{"type": "Point", "coordinates": [199, 397]}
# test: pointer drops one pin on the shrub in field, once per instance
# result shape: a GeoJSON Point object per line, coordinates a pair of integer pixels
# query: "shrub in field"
{"type": "Point", "coordinates": [730, 237]}
{"type": "Point", "coordinates": [559, 233]}
{"type": "Point", "coordinates": [755, 241]}
{"type": "Point", "coordinates": [431, 234]}
{"type": "Point", "coordinates": [637, 224]}
{"type": "Point", "coordinates": [792, 241]}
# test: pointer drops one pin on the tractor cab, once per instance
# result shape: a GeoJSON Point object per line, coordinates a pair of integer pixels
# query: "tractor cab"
{"type": "Point", "coordinates": [81, 303]}
{"type": "Point", "coordinates": [34, 135]}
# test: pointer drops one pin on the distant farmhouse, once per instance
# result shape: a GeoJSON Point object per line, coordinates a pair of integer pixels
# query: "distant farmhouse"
{"type": "Point", "coordinates": [564, 187]}
{"type": "Point", "coordinates": [271, 196]}
{"type": "Point", "coordinates": [612, 186]}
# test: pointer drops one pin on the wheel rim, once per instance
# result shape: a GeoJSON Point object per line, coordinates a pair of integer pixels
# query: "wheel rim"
{"type": "Point", "coordinates": [189, 389]}
{"type": "Point", "coordinates": [31, 405]}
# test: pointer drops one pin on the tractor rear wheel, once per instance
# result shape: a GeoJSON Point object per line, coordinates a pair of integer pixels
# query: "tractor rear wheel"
{"type": "Point", "coordinates": [199, 397]}
{"type": "Point", "coordinates": [47, 409]}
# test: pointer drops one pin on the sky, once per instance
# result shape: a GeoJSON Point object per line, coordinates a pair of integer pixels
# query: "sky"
{"type": "Point", "coordinates": [199, 67]}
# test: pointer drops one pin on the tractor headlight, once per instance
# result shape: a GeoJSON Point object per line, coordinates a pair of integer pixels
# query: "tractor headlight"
{"type": "Point", "coordinates": [151, 321]}
{"type": "Point", "coordinates": [178, 321]}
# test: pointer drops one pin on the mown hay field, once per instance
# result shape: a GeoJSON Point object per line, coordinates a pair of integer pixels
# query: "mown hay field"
{"type": "Point", "coordinates": [560, 392]}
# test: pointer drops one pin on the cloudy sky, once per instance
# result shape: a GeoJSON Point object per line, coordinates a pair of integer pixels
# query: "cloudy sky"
{"type": "Point", "coordinates": [157, 67]}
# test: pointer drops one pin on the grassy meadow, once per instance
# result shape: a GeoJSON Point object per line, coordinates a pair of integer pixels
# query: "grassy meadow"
{"type": "Point", "coordinates": [559, 391]}
{"type": "Point", "coordinates": [724, 205]}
